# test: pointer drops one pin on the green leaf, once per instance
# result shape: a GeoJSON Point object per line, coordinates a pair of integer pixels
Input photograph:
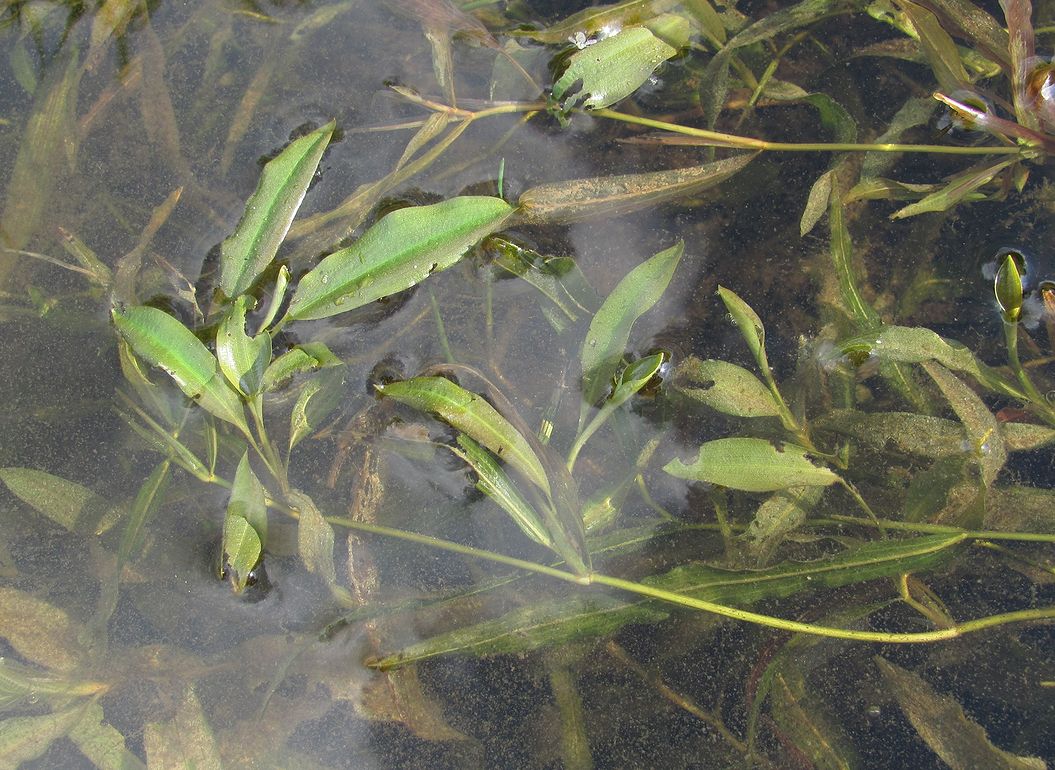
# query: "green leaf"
{"type": "Point", "coordinates": [870, 561]}
{"type": "Point", "coordinates": [610, 69]}
{"type": "Point", "coordinates": [753, 465]}
{"type": "Point", "coordinates": [913, 345]}
{"type": "Point", "coordinates": [632, 379]}
{"type": "Point", "coordinates": [576, 200]}
{"type": "Point", "coordinates": [543, 624]}
{"type": "Point", "coordinates": [270, 211]}
{"type": "Point", "coordinates": [161, 340]}
{"type": "Point", "coordinates": [60, 500]}
{"type": "Point", "coordinates": [962, 186]}
{"type": "Point", "coordinates": [40, 632]}
{"type": "Point", "coordinates": [241, 549]}
{"type": "Point", "coordinates": [469, 413]}
{"type": "Point", "coordinates": [300, 359]}
{"type": "Point", "coordinates": [780, 514]}
{"type": "Point", "coordinates": [249, 498]}
{"type": "Point", "coordinates": [320, 396]}
{"type": "Point", "coordinates": [399, 251]}
{"type": "Point", "coordinates": [983, 430]}
{"type": "Point", "coordinates": [496, 484]}
{"type": "Point", "coordinates": [243, 359]}
{"type": "Point", "coordinates": [101, 743]}
{"type": "Point", "coordinates": [185, 740]}
{"type": "Point", "coordinates": [725, 387]}
{"type": "Point", "coordinates": [605, 343]}
{"type": "Point", "coordinates": [25, 738]}
{"type": "Point", "coordinates": [315, 540]}
{"type": "Point", "coordinates": [749, 324]}
{"type": "Point", "coordinates": [941, 722]}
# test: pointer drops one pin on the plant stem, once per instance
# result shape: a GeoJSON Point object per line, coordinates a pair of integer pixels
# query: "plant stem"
{"type": "Point", "coordinates": [941, 529]}
{"type": "Point", "coordinates": [640, 589]}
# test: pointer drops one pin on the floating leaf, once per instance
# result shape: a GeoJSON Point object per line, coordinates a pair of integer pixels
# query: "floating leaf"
{"type": "Point", "coordinates": [494, 483]}
{"type": "Point", "coordinates": [605, 342]}
{"type": "Point", "coordinates": [753, 465]}
{"type": "Point", "coordinates": [725, 387]}
{"type": "Point", "coordinates": [241, 549]}
{"type": "Point", "coordinates": [243, 359]}
{"type": "Point", "coordinates": [941, 722]}
{"type": "Point", "coordinates": [544, 624]}
{"type": "Point", "coordinates": [60, 500]}
{"type": "Point", "coordinates": [161, 340]}
{"type": "Point", "coordinates": [469, 413]}
{"type": "Point", "coordinates": [38, 631]}
{"type": "Point", "coordinates": [576, 200]}
{"type": "Point", "coordinates": [611, 69]}
{"type": "Point", "coordinates": [270, 211]}
{"type": "Point", "coordinates": [398, 252]}
{"type": "Point", "coordinates": [186, 740]}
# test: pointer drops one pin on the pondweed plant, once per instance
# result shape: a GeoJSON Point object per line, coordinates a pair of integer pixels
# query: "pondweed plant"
{"type": "Point", "coordinates": [859, 411]}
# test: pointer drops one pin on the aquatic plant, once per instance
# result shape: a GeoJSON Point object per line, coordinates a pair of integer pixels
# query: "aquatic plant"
{"type": "Point", "coordinates": [830, 505]}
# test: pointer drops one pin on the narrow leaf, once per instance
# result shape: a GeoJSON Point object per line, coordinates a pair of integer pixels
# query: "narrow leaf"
{"type": "Point", "coordinates": [398, 252]}
{"type": "Point", "coordinates": [320, 396]}
{"type": "Point", "coordinates": [315, 540]}
{"type": "Point", "coordinates": [496, 484]}
{"type": "Point", "coordinates": [941, 722]}
{"type": "Point", "coordinates": [60, 500]}
{"type": "Point", "coordinates": [750, 325]}
{"type": "Point", "coordinates": [469, 413]}
{"type": "Point", "coordinates": [725, 387]}
{"type": "Point", "coordinates": [270, 211]}
{"type": "Point", "coordinates": [243, 359]}
{"type": "Point", "coordinates": [592, 20]}
{"type": "Point", "coordinates": [241, 549]}
{"type": "Point", "coordinates": [606, 340]}
{"type": "Point", "coordinates": [576, 200]}
{"type": "Point", "coordinates": [161, 340]}
{"type": "Point", "coordinates": [753, 465]}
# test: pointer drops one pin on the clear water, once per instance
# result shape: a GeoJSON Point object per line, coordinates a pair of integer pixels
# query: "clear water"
{"type": "Point", "coordinates": [185, 670]}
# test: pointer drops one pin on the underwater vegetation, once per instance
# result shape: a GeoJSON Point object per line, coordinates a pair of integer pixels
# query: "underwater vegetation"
{"type": "Point", "coordinates": [660, 383]}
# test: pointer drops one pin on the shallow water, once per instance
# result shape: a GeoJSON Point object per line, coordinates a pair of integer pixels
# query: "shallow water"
{"type": "Point", "coordinates": [123, 645]}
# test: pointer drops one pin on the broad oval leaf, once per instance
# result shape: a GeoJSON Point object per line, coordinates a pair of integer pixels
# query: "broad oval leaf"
{"type": "Point", "coordinates": [249, 498]}
{"type": "Point", "coordinates": [270, 211]}
{"type": "Point", "coordinates": [471, 414]}
{"type": "Point", "coordinates": [605, 342]}
{"type": "Point", "coordinates": [753, 465]}
{"type": "Point", "coordinates": [161, 340]}
{"type": "Point", "coordinates": [242, 358]}
{"type": "Point", "coordinates": [40, 632]}
{"type": "Point", "coordinates": [575, 200]}
{"type": "Point", "coordinates": [725, 387]}
{"type": "Point", "coordinates": [611, 69]}
{"type": "Point", "coordinates": [399, 251]}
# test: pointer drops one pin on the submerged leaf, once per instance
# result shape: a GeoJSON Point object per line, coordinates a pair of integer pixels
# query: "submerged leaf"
{"type": "Point", "coordinates": [186, 740]}
{"type": "Point", "coordinates": [270, 211]}
{"type": "Point", "coordinates": [611, 69]}
{"type": "Point", "coordinates": [60, 500]}
{"type": "Point", "coordinates": [38, 631]}
{"type": "Point", "coordinates": [576, 200]}
{"type": "Point", "coordinates": [320, 396]}
{"type": "Point", "coordinates": [161, 340]}
{"type": "Point", "coordinates": [399, 251]}
{"type": "Point", "coordinates": [25, 738]}
{"type": "Point", "coordinates": [753, 465]}
{"type": "Point", "coordinates": [941, 722]}
{"type": "Point", "coordinates": [544, 624]}
{"type": "Point", "coordinates": [472, 415]}
{"type": "Point", "coordinates": [243, 359]}
{"type": "Point", "coordinates": [725, 387]}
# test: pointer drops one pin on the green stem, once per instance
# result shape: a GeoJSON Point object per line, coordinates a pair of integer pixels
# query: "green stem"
{"type": "Point", "coordinates": [640, 589]}
{"type": "Point", "coordinates": [939, 529]}
{"type": "Point", "coordinates": [1031, 392]}
{"type": "Point", "coordinates": [718, 139]}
